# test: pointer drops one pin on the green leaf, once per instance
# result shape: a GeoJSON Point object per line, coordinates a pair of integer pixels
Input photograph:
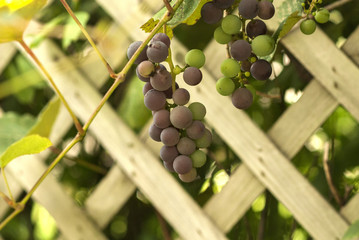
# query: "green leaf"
{"type": "Point", "coordinates": [15, 15]}
{"type": "Point", "coordinates": [353, 232]}
{"type": "Point", "coordinates": [151, 24]}
{"type": "Point", "coordinates": [28, 145]}
{"type": "Point", "coordinates": [46, 119]}
{"type": "Point", "coordinates": [286, 25]}
{"type": "Point", "coordinates": [189, 12]}
{"type": "Point", "coordinates": [71, 31]}
{"type": "Point", "coordinates": [13, 127]}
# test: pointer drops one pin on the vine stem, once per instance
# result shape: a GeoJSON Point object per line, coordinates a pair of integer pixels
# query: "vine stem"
{"type": "Point", "coordinates": [88, 37]}
{"type": "Point", "coordinates": [7, 184]}
{"type": "Point", "coordinates": [80, 135]}
{"type": "Point", "coordinates": [47, 74]}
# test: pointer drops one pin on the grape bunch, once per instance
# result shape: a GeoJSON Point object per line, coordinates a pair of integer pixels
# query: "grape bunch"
{"type": "Point", "coordinates": [308, 25]}
{"type": "Point", "coordinates": [176, 124]}
{"type": "Point", "coordinates": [247, 41]}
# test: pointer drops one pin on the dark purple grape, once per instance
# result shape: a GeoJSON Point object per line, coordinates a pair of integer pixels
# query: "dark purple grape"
{"type": "Point", "coordinates": [163, 38]}
{"type": "Point", "coordinates": [143, 79]}
{"type": "Point", "coordinates": [170, 136]}
{"type": "Point", "coordinates": [145, 69]}
{"type": "Point", "coordinates": [147, 87]}
{"type": "Point", "coordinates": [211, 14]}
{"type": "Point", "coordinates": [155, 132]}
{"type": "Point", "coordinates": [181, 117]}
{"type": "Point", "coordinates": [246, 65]}
{"type": "Point", "coordinates": [132, 49]}
{"type": "Point", "coordinates": [255, 28]}
{"type": "Point", "coordinates": [196, 130]}
{"type": "Point", "coordinates": [241, 50]}
{"type": "Point", "coordinates": [157, 51]}
{"type": "Point", "coordinates": [181, 96]}
{"type": "Point", "coordinates": [186, 146]}
{"type": "Point", "coordinates": [161, 80]}
{"type": "Point", "coordinates": [242, 98]}
{"type": "Point", "coordinates": [223, 4]}
{"type": "Point", "coordinates": [261, 69]}
{"type": "Point", "coordinates": [155, 100]}
{"type": "Point", "coordinates": [266, 10]}
{"type": "Point", "coordinates": [182, 164]}
{"type": "Point", "coordinates": [248, 8]}
{"type": "Point", "coordinates": [168, 154]}
{"type": "Point", "coordinates": [161, 118]}
{"type": "Point", "coordinates": [192, 76]}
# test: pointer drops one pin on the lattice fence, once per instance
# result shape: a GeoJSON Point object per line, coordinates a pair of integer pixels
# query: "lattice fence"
{"type": "Point", "coordinates": [266, 156]}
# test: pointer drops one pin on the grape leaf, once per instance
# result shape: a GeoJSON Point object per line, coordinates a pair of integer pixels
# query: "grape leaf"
{"type": "Point", "coordinates": [31, 144]}
{"type": "Point", "coordinates": [46, 119]}
{"type": "Point", "coordinates": [71, 30]}
{"type": "Point", "coordinates": [288, 7]}
{"type": "Point", "coordinates": [185, 11]}
{"type": "Point", "coordinates": [15, 15]}
{"type": "Point", "coordinates": [13, 127]}
{"type": "Point", "coordinates": [353, 232]}
{"type": "Point", "coordinates": [286, 25]}
{"type": "Point", "coordinates": [151, 24]}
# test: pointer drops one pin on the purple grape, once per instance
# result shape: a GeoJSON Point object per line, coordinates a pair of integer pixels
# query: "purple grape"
{"type": "Point", "coordinates": [261, 69]}
{"type": "Point", "coordinates": [211, 14]}
{"type": "Point", "coordinates": [192, 76]}
{"type": "Point", "coordinates": [182, 164]}
{"type": "Point", "coordinates": [145, 68]}
{"type": "Point", "coordinates": [255, 28]}
{"type": "Point", "coordinates": [163, 38]}
{"type": "Point", "coordinates": [266, 10]}
{"type": "Point", "coordinates": [223, 4]}
{"type": "Point", "coordinates": [248, 8]}
{"type": "Point", "coordinates": [168, 154]}
{"type": "Point", "coordinates": [181, 117]}
{"type": "Point", "coordinates": [155, 100]}
{"type": "Point", "coordinates": [196, 130]}
{"type": "Point", "coordinates": [242, 98]}
{"type": "Point", "coordinates": [161, 80]}
{"type": "Point", "coordinates": [157, 51]}
{"type": "Point", "coordinates": [147, 87]}
{"type": "Point", "coordinates": [181, 96]}
{"type": "Point", "coordinates": [186, 146]}
{"type": "Point", "coordinates": [170, 136]}
{"type": "Point", "coordinates": [155, 133]}
{"type": "Point", "coordinates": [241, 50]}
{"type": "Point", "coordinates": [143, 79]}
{"type": "Point", "coordinates": [161, 118]}
{"type": "Point", "coordinates": [132, 49]}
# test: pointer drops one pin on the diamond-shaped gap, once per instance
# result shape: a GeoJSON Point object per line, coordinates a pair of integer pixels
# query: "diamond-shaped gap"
{"type": "Point", "coordinates": [331, 152]}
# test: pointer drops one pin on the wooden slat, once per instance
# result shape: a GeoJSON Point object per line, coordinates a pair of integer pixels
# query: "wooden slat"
{"type": "Point", "coordinates": [7, 51]}
{"type": "Point", "coordinates": [351, 209]}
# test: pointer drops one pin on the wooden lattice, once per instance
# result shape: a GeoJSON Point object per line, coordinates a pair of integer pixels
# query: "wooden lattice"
{"type": "Point", "coordinates": [266, 156]}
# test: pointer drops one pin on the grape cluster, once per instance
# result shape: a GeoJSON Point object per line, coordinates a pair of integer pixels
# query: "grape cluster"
{"type": "Point", "coordinates": [179, 127]}
{"type": "Point", "coordinates": [308, 25]}
{"type": "Point", "coordinates": [247, 41]}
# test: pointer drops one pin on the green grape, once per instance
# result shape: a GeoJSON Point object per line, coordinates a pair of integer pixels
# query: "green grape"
{"type": "Point", "coordinates": [199, 158]}
{"type": "Point", "coordinates": [225, 86]}
{"type": "Point", "coordinates": [263, 45]}
{"type": "Point", "coordinates": [195, 58]}
{"type": "Point", "coordinates": [198, 110]}
{"type": "Point", "coordinates": [308, 26]}
{"type": "Point", "coordinates": [230, 67]}
{"type": "Point", "coordinates": [322, 16]}
{"type": "Point", "coordinates": [221, 37]}
{"type": "Point", "coordinates": [231, 24]}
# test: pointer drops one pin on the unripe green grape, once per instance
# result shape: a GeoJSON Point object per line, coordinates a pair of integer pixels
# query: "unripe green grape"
{"type": "Point", "coordinates": [308, 26]}
{"type": "Point", "coordinates": [221, 37]}
{"type": "Point", "coordinates": [231, 24]}
{"type": "Point", "coordinates": [195, 58]}
{"type": "Point", "coordinates": [230, 67]}
{"type": "Point", "coordinates": [199, 158]}
{"type": "Point", "coordinates": [198, 110]}
{"type": "Point", "coordinates": [225, 86]}
{"type": "Point", "coordinates": [263, 45]}
{"type": "Point", "coordinates": [322, 16]}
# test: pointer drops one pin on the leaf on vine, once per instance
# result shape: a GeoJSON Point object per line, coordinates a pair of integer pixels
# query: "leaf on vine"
{"type": "Point", "coordinates": [286, 25]}
{"type": "Point", "coordinates": [13, 127]}
{"type": "Point", "coordinates": [46, 119]}
{"type": "Point", "coordinates": [353, 232]}
{"type": "Point", "coordinates": [196, 15]}
{"type": "Point", "coordinates": [151, 24]}
{"type": "Point", "coordinates": [15, 15]}
{"type": "Point", "coordinates": [28, 145]}
{"type": "Point", "coordinates": [71, 31]}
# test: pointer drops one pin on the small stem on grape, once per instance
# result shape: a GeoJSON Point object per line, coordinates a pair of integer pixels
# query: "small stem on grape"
{"type": "Point", "coordinates": [7, 199]}
{"type": "Point", "coordinates": [87, 35]}
{"type": "Point", "coordinates": [47, 74]}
